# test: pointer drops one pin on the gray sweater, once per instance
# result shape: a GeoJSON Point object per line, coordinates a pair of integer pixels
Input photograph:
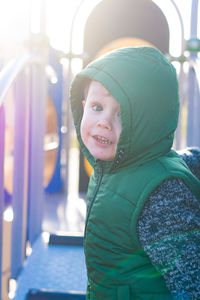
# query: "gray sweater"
{"type": "Point", "coordinates": [169, 231]}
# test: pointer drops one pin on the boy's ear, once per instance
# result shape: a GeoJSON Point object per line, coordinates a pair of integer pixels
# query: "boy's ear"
{"type": "Point", "coordinates": [83, 103]}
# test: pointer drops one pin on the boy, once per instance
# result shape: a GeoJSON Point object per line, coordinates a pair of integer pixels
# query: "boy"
{"type": "Point", "coordinates": [143, 211]}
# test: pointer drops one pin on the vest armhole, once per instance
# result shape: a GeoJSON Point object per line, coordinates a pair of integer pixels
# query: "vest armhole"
{"type": "Point", "coordinates": [142, 200]}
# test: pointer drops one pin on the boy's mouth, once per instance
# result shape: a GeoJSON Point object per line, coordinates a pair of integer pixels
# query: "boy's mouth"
{"type": "Point", "coordinates": [102, 140]}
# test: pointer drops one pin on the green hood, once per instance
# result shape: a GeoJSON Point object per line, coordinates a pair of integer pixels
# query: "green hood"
{"type": "Point", "coordinates": [144, 83]}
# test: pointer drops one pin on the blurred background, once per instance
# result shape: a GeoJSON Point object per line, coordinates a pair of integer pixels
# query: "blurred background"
{"type": "Point", "coordinates": [83, 29]}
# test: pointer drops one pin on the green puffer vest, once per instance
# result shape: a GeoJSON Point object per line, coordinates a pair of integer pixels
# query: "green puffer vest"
{"type": "Point", "coordinates": [145, 85]}
{"type": "Point", "coordinates": [118, 266]}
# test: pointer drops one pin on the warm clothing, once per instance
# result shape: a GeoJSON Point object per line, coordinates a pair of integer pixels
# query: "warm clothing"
{"type": "Point", "coordinates": [177, 211]}
{"type": "Point", "coordinates": [192, 158]}
{"type": "Point", "coordinates": [145, 85]}
{"type": "Point", "coordinates": [173, 203]}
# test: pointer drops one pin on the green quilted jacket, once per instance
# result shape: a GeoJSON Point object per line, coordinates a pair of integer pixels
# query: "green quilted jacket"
{"type": "Point", "coordinates": [145, 85]}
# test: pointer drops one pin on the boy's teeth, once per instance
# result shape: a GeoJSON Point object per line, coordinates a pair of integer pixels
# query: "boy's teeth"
{"type": "Point", "coordinates": [102, 140]}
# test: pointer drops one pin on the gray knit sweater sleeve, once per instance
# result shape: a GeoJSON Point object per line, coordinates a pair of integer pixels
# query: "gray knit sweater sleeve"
{"type": "Point", "coordinates": [169, 232]}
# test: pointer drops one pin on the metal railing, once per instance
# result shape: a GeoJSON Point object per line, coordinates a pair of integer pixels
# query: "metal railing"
{"type": "Point", "coordinates": [193, 120]}
{"type": "Point", "coordinates": [2, 133]}
{"type": "Point", "coordinates": [12, 70]}
{"type": "Point", "coordinates": [195, 64]}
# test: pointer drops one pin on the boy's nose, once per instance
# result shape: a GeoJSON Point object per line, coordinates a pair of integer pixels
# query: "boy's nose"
{"type": "Point", "coordinates": [104, 123]}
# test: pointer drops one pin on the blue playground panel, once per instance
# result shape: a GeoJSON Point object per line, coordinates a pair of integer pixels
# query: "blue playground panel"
{"type": "Point", "coordinates": [56, 94]}
{"type": "Point", "coordinates": [58, 268]}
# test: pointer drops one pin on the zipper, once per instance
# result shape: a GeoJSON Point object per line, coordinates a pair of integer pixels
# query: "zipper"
{"type": "Point", "coordinates": [92, 201]}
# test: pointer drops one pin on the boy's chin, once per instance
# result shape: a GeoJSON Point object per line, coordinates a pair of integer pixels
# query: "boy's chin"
{"type": "Point", "coordinates": [102, 154]}
{"type": "Point", "coordinates": [104, 157]}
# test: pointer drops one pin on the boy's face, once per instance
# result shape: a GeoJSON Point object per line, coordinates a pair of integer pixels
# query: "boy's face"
{"type": "Point", "coordinates": [101, 124]}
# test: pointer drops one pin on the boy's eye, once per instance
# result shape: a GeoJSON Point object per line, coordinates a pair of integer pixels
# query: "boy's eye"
{"type": "Point", "coordinates": [97, 107]}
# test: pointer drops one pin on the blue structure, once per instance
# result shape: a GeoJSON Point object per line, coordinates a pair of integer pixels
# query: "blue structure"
{"type": "Point", "coordinates": [28, 193]}
{"type": "Point", "coordinates": [2, 130]}
{"type": "Point", "coordinates": [55, 92]}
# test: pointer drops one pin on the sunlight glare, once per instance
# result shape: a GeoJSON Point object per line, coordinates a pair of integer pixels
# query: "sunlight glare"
{"type": "Point", "coordinates": [28, 249]}
{"type": "Point", "coordinates": [13, 21]}
{"type": "Point", "coordinates": [77, 65]}
{"type": "Point", "coordinates": [8, 214]}
{"type": "Point", "coordinates": [175, 40]}
{"type": "Point", "coordinates": [81, 18]}
{"type": "Point", "coordinates": [45, 237]}
{"type": "Point", "coordinates": [12, 288]}
{"type": "Point", "coordinates": [35, 10]}
{"type": "Point", "coordinates": [169, 11]}
{"type": "Point", "coordinates": [59, 15]}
